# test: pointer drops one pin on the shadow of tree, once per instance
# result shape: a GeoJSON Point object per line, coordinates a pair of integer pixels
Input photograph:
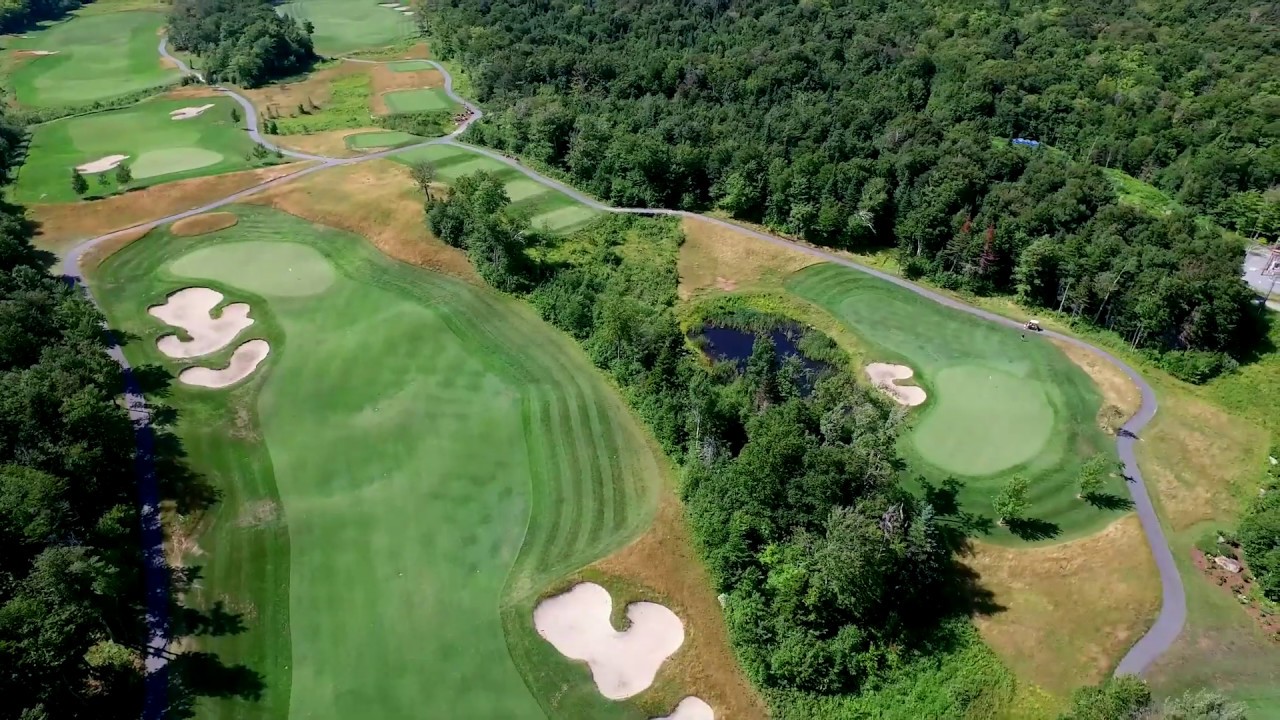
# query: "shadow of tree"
{"type": "Point", "coordinates": [194, 674]}
{"type": "Point", "coordinates": [1033, 529]}
{"type": "Point", "coordinates": [218, 621]}
{"type": "Point", "coordinates": [1107, 501]}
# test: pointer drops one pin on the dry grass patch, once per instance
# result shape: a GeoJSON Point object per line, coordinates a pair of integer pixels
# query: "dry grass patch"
{"type": "Point", "coordinates": [63, 225]}
{"type": "Point", "coordinates": [314, 90]}
{"type": "Point", "coordinates": [1072, 609]}
{"type": "Point", "coordinates": [719, 258]}
{"type": "Point", "coordinates": [1120, 397]}
{"type": "Point", "coordinates": [663, 561]}
{"type": "Point", "coordinates": [376, 200]}
{"type": "Point", "coordinates": [183, 92]}
{"type": "Point", "coordinates": [1199, 458]}
{"type": "Point", "coordinates": [329, 143]}
{"type": "Point", "coordinates": [203, 224]}
{"type": "Point", "coordinates": [386, 80]}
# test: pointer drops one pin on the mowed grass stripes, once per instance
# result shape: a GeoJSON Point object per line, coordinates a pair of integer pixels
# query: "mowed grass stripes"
{"type": "Point", "coordinates": [440, 457]}
{"type": "Point", "coordinates": [548, 209]}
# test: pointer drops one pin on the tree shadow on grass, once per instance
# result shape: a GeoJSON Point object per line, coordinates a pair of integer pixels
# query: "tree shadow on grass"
{"type": "Point", "coordinates": [1107, 501]}
{"type": "Point", "coordinates": [195, 674]}
{"type": "Point", "coordinates": [1033, 529]}
{"type": "Point", "coordinates": [217, 621]}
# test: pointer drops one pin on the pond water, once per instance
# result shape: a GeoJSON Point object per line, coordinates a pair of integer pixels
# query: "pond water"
{"type": "Point", "coordinates": [725, 344]}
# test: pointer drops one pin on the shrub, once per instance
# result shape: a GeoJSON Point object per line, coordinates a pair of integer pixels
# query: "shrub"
{"type": "Point", "coordinates": [1197, 366]}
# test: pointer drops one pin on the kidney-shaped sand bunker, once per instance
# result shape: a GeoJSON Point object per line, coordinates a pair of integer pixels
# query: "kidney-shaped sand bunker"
{"type": "Point", "coordinates": [622, 663]}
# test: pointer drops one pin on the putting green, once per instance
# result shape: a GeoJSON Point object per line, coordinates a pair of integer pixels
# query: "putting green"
{"type": "Point", "coordinates": [550, 210]}
{"type": "Point", "coordinates": [173, 160]}
{"type": "Point", "coordinates": [410, 66]}
{"type": "Point", "coordinates": [420, 100]}
{"type": "Point", "coordinates": [160, 149]}
{"type": "Point", "coordinates": [370, 140]}
{"type": "Point", "coordinates": [98, 56]}
{"type": "Point", "coordinates": [961, 434]}
{"type": "Point", "coordinates": [345, 26]}
{"type": "Point", "coordinates": [997, 404]}
{"type": "Point", "coordinates": [416, 460]}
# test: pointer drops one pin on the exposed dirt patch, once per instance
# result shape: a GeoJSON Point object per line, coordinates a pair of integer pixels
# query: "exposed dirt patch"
{"type": "Point", "coordinates": [311, 91]}
{"type": "Point", "coordinates": [1071, 610]}
{"type": "Point", "coordinates": [386, 80]}
{"type": "Point", "coordinates": [257, 514]}
{"type": "Point", "coordinates": [1120, 397]}
{"type": "Point", "coordinates": [377, 200]}
{"type": "Point", "coordinates": [203, 224]}
{"type": "Point", "coordinates": [330, 143]}
{"type": "Point", "coordinates": [63, 225]}
{"type": "Point", "coordinates": [1239, 586]}
{"type": "Point", "coordinates": [715, 257]}
{"type": "Point", "coordinates": [192, 92]}
{"type": "Point", "coordinates": [663, 560]}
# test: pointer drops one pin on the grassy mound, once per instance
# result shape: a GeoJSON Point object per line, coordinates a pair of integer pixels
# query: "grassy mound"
{"type": "Point", "coordinates": [420, 100]}
{"type": "Point", "coordinates": [548, 209]}
{"type": "Point", "coordinates": [378, 140]}
{"type": "Point", "coordinates": [345, 26]}
{"type": "Point", "coordinates": [998, 404]}
{"type": "Point", "coordinates": [410, 66]}
{"type": "Point", "coordinates": [416, 455]}
{"type": "Point", "coordinates": [203, 224]}
{"type": "Point", "coordinates": [160, 149]}
{"type": "Point", "coordinates": [98, 56]}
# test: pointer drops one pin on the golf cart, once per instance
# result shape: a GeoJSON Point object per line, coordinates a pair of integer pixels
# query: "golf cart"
{"type": "Point", "coordinates": [1033, 325]}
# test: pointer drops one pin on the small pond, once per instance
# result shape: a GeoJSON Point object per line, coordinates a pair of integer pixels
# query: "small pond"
{"type": "Point", "coordinates": [726, 344]}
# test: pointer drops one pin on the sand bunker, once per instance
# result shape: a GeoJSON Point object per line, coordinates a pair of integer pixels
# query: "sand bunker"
{"type": "Point", "coordinates": [407, 12]}
{"type": "Point", "coordinates": [244, 361]}
{"type": "Point", "coordinates": [187, 113]}
{"type": "Point", "coordinates": [192, 310]}
{"type": "Point", "coordinates": [691, 708]}
{"type": "Point", "coordinates": [102, 164]}
{"type": "Point", "coordinates": [622, 663]}
{"type": "Point", "coordinates": [40, 52]}
{"type": "Point", "coordinates": [884, 377]}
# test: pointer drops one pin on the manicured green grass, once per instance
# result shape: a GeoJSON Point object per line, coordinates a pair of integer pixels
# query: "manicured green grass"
{"type": "Point", "coordinates": [415, 462]}
{"type": "Point", "coordinates": [344, 26]}
{"type": "Point", "coordinates": [374, 140]}
{"type": "Point", "coordinates": [410, 66]}
{"type": "Point", "coordinates": [420, 100]}
{"type": "Point", "coordinates": [160, 149]}
{"type": "Point", "coordinates": [99, 56]}
{"type": "Point", "coordinates": [547, 209]}
{"type": "Point", "coordinates": [997, 405]}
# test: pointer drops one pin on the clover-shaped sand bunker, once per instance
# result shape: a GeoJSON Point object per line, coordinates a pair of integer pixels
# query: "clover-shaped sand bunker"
{"type": "Point", "coordinates": [691, 708]}
{"type": "Point", "coordinates": [622, 663]}
{"type": "Point", "coordinates": [885, 376]}
{"type": "Point", "coordinates": [192, 310]}
{"type": "Point", "coordinates": [244, 360]}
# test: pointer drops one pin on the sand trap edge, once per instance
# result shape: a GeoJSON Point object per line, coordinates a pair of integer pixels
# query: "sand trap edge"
{"type": "Point", "coordinates": [885, 376]}
{"type": "Point", "coordinates": [244, 360]}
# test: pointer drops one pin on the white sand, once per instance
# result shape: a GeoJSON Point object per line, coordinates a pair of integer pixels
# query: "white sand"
{"type": "Point", "coordinates": [192, 310]}
{"type": "Point", "coordinates": [407, 12]}
{"type": "Point", "coordinates": [102, 164]}
{"type": "Point", "coordinates": [622, 663]}
{"type": "Point", "coordinates": [691, 708]}
{"type": "Point", "coordinates": [43, 52]}
{"type": "Point", "coordinates": [244, 361]}
{"type": "Point", "coordinates": [884, 375]}
{"type": "Point", "coordinates": [390, 5]}
{"type": "Point", "coordinates": [187, 113]}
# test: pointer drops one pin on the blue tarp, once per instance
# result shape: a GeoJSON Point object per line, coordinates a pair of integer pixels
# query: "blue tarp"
{"type": "Point", "coordinates": [1024, 141]}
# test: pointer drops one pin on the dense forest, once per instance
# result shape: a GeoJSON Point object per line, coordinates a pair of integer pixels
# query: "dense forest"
{"type": "Point", "coordinates": [245, 42]}
{"type": "Point", "coordinates": [19, 15]}
{"type": "Point", "coordinates": [841, 593]}
{"type": "Point", "coordinates": [71, 600]}
{"type": "Point", "coordinates": [865, 125]}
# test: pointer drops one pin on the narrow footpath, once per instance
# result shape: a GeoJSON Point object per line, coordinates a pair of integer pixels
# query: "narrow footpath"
{"type": "Point", "coordinates": [1158, 639]}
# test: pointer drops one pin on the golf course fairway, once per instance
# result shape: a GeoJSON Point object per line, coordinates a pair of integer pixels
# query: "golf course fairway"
{"type": "Point", "coordinates": [344, 26]}
{"type": "Point", "coordinates": [998, 403]}
{"type": "Point", "coordinates": [412, 466]}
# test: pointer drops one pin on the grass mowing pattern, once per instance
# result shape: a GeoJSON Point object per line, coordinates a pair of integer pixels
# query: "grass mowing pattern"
{"type": "Point", "coordinates": [162, 148]}
{"type": "Point", "coordinates": [983, 420]}
{"type": "Point", "coordinates": [344, 26]}
{"type": "Point", "coordinates": [99, 56]}
{"type": "Point", "coordinates": [379, 140]}
{"type": "Point", "coordinates": [548, 209]}
{"type": "Point", "coordinates": [421, 100]}
{"type": "Point", "coordinates": [438, 455]}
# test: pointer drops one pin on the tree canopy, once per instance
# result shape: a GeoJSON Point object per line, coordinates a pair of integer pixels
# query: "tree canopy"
{"type": "Point", "coordinates": [870, 124]}
{"type": "Point", "coordinates": [241, 41]}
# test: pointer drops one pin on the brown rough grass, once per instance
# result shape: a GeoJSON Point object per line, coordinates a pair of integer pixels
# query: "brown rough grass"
{"type": "Point", "coordinates": [330, 143]}
{"type": "Point", "coordinates": [203, 224]}
{"type": "Point", "coordinates": [376, 200]}
{"type": "Point", "coordinates": [192, 91]}
{"type": "Point", "coordinates": [314, 89]}
{"type": "Point", "coordinates": [715, 257]}
{"type": "Point", "coordinates": [663, 560]}
{"type": "Point", "coordinates": [106, 249]}
{"type": "Point", "coordinates": [1120, 397]}
{"type": "Point", "coordinates": [1072, 609]}
{"type": "Point", "coordinates": [386, 80]}
{"type": "Point", "coordinates": [64, 224]}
